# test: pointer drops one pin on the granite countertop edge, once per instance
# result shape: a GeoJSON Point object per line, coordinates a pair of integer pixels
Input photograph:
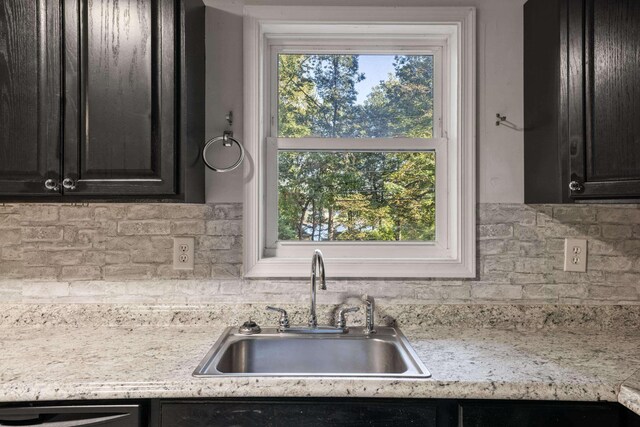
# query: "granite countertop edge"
{"type": "Point", "coordinates": [629, 394]}
{"type": "Point", "coordinates": [317, 387]}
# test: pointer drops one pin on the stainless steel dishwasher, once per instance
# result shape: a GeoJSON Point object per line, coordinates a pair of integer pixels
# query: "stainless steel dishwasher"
{"type": "Point", "coordinates": [71, 415]}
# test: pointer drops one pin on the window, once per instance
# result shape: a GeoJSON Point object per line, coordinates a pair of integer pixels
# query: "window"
{"type": "Point", "coordinates": [361, 137]}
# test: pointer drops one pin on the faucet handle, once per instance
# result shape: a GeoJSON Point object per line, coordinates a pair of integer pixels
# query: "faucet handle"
{"type": "Point", "coordinates": [369, 301]}
{"type": "Point", "coordinates": [342, 321]}
{"type": "Point", "coordinates": [284, 318]}
{"type": "Point", "coordinates": [371, 314]}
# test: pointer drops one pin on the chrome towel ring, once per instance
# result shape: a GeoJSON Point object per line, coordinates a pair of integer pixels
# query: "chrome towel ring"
{"type": "Point", "coordinates": [227, 140]}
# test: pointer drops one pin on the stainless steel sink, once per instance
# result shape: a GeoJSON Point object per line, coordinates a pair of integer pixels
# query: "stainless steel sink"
{"type": "Point", "coordinates": [387, 353]}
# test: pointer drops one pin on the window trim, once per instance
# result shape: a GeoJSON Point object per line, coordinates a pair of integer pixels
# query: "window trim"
{"type": "Point", "coordinates": [363, 44]}
{"type": "Point", "coordinates": [457, 24]}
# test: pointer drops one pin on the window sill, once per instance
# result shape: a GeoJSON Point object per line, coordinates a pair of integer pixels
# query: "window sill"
{"type": "Point", "coordinates": [364, 268]}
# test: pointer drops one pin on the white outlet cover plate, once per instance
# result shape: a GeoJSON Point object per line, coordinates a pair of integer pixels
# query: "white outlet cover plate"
{"type": "Point", "coordinates": [183, 246]}
{"type": "Point", "coordinates": [575, 255]}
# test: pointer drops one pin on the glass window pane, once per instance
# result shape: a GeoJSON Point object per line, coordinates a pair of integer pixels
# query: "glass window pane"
{"type": "Point", "coordinates": [356, 196]}
{"type": "Point", "coordinates": [355, 96]}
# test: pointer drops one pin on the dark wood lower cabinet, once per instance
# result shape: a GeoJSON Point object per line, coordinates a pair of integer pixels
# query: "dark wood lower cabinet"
{"type": "Point", "coordinates": [312, 412]}
{"type": "Point", "coordinates": [308, 413]}
{"type": "Point", "coordinates": [545, 414]}
{"type": "Point", "coordinates": [388, 412]}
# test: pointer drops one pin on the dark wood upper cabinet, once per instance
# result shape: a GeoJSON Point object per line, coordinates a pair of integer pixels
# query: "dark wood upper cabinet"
{"type": "Point", "coordinates": [120, 137]}
{"type": "Point", "coordinates": [132, 118]}
{"type": "Point", "coordinates": [30, 90]}
{"type": "Point", "coordinates": [582, 100]}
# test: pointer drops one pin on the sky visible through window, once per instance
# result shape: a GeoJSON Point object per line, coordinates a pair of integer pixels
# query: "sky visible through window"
{"type": "Point", "coordinates": [376, 68]}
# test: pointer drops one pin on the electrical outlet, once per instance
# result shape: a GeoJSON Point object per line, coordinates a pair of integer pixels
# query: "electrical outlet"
{"type": "Point", "coordinates": [183, 253]}
{"type": "Point", "coordinates": [575, 255]}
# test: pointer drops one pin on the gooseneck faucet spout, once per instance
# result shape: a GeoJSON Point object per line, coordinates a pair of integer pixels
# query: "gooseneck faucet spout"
{"type": "Point", "coordinates": [317, 268]}
{"type": "Point", "coordinates": [317, 273]}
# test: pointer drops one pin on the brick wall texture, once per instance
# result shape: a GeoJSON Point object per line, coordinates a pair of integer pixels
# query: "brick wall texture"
{"type": "Point", "coordinates": [123, 252]}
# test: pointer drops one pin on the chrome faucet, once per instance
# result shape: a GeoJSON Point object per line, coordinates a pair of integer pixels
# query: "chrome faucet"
{"type": "Point", "coordinates": [317, 267]}
{"type": "Point", "coordinates": [317, 272]}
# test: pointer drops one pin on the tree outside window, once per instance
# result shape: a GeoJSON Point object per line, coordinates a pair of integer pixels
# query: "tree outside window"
{"type": "Point", "coordinates": [352, 195]}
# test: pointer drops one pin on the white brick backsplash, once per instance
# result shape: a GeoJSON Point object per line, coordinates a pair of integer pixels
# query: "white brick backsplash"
{"type": "Point", "coordinates": [122, 253]}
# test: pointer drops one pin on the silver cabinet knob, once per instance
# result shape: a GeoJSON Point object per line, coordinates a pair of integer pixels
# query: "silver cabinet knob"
{"type": "Point", "coordinates": [52, 184]}
{"type": "Point", "coordinates": [69, 184]}
{"type": "Point", "coordinates": [575, 186]}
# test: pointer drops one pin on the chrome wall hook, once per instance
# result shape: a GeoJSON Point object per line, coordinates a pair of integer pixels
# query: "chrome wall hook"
{"type": "Point", "coordinates": [502, 120]}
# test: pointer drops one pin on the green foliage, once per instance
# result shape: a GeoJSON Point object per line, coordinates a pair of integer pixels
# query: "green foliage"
{"type": "Point", "coordinates": [296, 96]}
{"type": "Point", "coordinates": [347, 196]}
{"type": "Point", "coordinates": [404, 102]}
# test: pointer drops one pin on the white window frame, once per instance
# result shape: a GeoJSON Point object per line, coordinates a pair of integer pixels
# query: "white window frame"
{"type": "Point", "coordinates": [365, 45]}
{"type": "Point", "coordinates": [448, 33]}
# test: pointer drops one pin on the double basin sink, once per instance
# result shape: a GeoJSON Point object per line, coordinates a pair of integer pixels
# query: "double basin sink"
{"type": "Point", "coordinates": [387, 353]}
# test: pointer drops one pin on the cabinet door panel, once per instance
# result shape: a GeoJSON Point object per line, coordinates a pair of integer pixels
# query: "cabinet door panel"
{"type": "Point", "coordinates": [120, 136]}
{"type": "Point", "coordinates": [605, 153]}
{"type": "Point", "coordinates": [512, 414]}
{"type": "Point", "coordinates": [118, 87]}
{"type": "Point", "coordinates": [29, 96]}
{"type": "Point", "coordinates": [299, 413]}
{"type": "Point", "coordinates": [614, 151]}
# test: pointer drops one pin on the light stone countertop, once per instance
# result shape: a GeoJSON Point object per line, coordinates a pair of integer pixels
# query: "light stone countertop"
{"type": "Point", "coordinates": [108, 362]}
{"type": "Point", "coordinates": [630, 393]}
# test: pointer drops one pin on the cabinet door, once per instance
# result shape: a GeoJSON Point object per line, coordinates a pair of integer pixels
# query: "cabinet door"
{"type": "Point", "coordinates": [120, 114]}
{"type": "Point", "coordinates": [604, 98]}
{"type": "Point", "coordinates": [301, 413]}
{"type": "Point", "coordinates": [29, 96]}
{"type": "Point", "coordinates": [533, 414]}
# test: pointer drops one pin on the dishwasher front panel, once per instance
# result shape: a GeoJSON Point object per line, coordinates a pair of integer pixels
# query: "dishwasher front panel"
{"type": "Point", "coordinates": [71, 415]}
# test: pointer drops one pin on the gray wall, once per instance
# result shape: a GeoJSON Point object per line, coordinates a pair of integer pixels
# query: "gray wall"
{"type": "Point", "coordinates": [499, 78]}
{"type": "Point", "coordinates": [224, 94]}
